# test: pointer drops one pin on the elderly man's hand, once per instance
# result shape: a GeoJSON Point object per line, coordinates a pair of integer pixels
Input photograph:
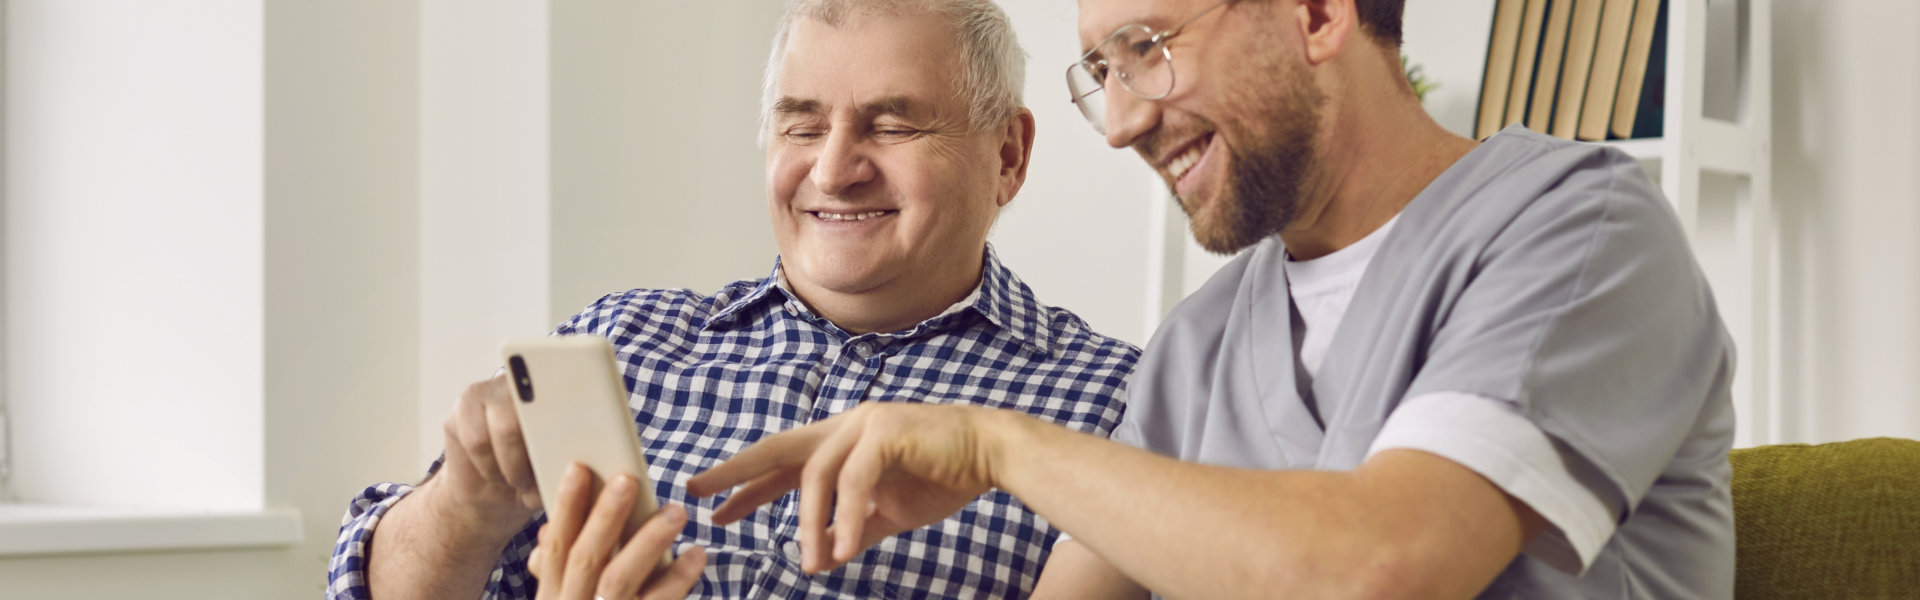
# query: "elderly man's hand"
{"type": "Point", "coordinates": [893, 467]}
{"type": "Point", "coordinates": [486, 482]}
{"type": "Point", "coordinates": [581, 555]}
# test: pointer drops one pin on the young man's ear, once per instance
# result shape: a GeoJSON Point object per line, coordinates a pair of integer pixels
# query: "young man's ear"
{"type": "Point", "coordinates": [1325, 26]}
{"type": "Point", "coordinates": [1016, 152]}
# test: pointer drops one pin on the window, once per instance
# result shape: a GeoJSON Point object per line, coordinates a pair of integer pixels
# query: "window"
{"type": "Point", "coordinates": [131, 287]}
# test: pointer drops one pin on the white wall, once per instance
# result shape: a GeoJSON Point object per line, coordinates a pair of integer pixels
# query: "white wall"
{"type": "Point", "coordinates": [657, 180]}
{"type": "Point", "coordinates": [1847, 187]}
{"type": "Point", "coordinates": [343, 275]}
{"type": "Point", "coordinates": [483, 212]}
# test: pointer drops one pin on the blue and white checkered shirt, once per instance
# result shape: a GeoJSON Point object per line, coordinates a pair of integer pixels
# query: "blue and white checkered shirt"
{"type": "Point", "coordinates": [711, 375]}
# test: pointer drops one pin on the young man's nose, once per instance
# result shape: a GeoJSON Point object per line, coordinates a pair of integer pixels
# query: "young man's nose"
{"type": "Point", "coordinates": [1128, 116]}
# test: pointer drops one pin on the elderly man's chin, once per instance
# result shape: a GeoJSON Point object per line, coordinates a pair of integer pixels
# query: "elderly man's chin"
{"type": "Point", "coordinates": [844, 269]}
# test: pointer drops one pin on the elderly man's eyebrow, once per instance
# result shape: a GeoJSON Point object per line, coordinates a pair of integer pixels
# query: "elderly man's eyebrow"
{"type": "Point", "coordinates": [899, 106]}
{"type": "Point", "coordinates": [788, 105]}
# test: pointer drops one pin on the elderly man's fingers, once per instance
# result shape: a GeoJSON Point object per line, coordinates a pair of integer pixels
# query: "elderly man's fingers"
{"type": "Point", "coordinates": [636, 562]}
{"type": "Point", "coordinates": [679, 578]}
{"type": "Point", "coordinates": [510, 448]}
{"type": "Point", "coordinates": [780, 450]}
{"type": "Point", "coordinates": [593, 550]}
{"type": "Point", "coordinates": [767, 488]}
{"type": "Point", "coordinates": [816, 497]}
{"type": "Point", "coordinates": [467, 429]}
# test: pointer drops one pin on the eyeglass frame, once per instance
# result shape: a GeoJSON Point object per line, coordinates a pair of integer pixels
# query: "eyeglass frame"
{"type": "Point", "coordinates": [1159, 41]}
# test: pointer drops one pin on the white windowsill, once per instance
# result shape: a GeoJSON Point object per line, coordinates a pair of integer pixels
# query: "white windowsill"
{"type": "Point", "coordinates": [35, 529]}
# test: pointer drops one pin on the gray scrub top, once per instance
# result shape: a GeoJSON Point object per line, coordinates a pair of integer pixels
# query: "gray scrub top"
{"type": "Point", "coordinates": [1535, 270]}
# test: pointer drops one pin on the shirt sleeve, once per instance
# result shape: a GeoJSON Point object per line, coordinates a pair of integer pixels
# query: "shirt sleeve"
{"type": "Point", "coordinates": [347, 571]}
{"type": "Point", "coordinates": [1494, 439]}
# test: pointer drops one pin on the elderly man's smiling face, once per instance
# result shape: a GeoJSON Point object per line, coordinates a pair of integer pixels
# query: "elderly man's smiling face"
{"type": "Point", "coordinates": [875, 180]}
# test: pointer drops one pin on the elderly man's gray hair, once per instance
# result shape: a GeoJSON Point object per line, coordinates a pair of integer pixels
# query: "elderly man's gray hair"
{"type": "Point", "coordinates": [994, 72]}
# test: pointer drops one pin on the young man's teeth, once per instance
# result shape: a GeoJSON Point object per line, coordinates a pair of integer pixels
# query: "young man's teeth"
{"type": "Point", "coordinates": [849, 217]}
{"type": "Point", "coordinates": [1182, 163]}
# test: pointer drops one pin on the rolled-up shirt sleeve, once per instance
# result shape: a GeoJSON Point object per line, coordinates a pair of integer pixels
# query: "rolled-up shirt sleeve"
{"type": "Point", "coordinates": [347, 571]}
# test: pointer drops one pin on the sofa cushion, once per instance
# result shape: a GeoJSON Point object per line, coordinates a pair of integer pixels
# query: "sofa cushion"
{"type": "Point", "coordinates": [1838, 520]}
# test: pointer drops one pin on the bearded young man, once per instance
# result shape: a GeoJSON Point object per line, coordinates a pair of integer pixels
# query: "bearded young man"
{"type": "Point", "coordinates": [1441, 368]}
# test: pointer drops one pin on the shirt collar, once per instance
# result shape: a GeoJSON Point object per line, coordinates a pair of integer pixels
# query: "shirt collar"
{"type": "Point", "coordinates": [1002, 299]}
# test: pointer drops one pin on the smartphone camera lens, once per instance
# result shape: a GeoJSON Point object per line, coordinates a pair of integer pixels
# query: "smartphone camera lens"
{"type": "Point", "coordinates": [521, 381]}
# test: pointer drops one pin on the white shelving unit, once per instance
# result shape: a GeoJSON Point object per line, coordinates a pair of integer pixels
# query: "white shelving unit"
{"type": "Point", "coordinates": [1714, 163]}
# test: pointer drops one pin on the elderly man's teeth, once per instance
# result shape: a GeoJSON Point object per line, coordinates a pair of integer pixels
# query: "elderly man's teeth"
{"type": "Point", "coordinates": [1182, 163]}
{"type": "Point", "coordinates": [849, 217]}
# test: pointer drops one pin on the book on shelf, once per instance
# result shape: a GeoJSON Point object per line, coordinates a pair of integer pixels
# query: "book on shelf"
{"type": "Point", "coordinates": [1501, 48]}
{"type": "Point", "coordinates": [1577, 69]}
{"type": "Point", "coordinates": [1526, 57]}
{"type": "Point", "coordinates": [1603, 81]}
{"type": "Point", "coordinates": [1639, 108]}
{"type": "Point", "coordinates": [1546, 83]}
{"type": "Point", "coordinates": [1576, 64]}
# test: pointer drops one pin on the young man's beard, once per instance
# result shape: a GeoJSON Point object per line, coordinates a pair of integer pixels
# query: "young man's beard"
{"type": "Point", "coordinates": [1266, 183]}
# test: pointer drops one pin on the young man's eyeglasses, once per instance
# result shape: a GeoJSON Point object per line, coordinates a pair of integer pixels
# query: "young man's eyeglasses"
{"type": "Point", "coordinates": [1137, 56]}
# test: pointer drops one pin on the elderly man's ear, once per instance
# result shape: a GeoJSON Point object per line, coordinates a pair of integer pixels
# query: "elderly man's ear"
{"type": "Point", "coordinates": [1016, 152]}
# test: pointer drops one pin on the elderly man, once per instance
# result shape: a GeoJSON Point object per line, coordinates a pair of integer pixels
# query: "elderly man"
{"type": "Point", "coordinates": [895, 134]}
{"type": "Point", "coordinates": [1441, 368]}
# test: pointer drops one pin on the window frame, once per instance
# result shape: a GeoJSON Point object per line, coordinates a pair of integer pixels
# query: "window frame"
{"type": "Point", "coordinates": [6, 420]}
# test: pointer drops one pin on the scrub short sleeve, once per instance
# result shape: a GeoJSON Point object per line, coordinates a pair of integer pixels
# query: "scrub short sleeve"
{"type": "Point", "coordinates": [1588, 311]}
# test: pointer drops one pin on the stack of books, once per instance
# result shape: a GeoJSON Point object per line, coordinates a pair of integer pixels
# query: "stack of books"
{"type": "Point", "coordinates": [1589, 70]}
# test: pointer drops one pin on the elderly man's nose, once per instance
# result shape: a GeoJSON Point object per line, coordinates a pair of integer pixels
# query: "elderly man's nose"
{"type": "Point", "coordinates": [841, 166]}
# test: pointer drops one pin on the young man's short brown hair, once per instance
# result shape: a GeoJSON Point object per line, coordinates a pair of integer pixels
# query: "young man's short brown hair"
{"type": "Point", "coordinates": [1381, 19]}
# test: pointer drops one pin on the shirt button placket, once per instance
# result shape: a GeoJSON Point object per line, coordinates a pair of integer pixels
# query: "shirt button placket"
{"type": "Point", "coordinates": [861, 370]}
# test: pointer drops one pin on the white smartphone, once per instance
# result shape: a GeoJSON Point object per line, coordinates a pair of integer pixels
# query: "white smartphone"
{"type": "Point", "coordinates": [572, 405]}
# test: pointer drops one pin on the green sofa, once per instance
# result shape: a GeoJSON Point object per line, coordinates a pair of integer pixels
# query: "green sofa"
{"type": "Point", "coordinates": [1837, 520]}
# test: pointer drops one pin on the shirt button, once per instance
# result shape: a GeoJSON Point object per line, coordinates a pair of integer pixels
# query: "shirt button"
{"type": "Point", "coordinates": [863, 349]}
{"type": "Point", "coordinates": [792, 549]}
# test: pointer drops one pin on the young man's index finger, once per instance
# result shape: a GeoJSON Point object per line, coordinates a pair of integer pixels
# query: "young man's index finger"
{"type": "Point", "coordinates": [768, 454]}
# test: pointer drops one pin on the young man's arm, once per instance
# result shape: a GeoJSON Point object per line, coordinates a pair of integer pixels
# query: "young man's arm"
{"type": "Point", "coordinates": [1075, 573]}
{"type": "Point", "coordinates": [1404, 524]}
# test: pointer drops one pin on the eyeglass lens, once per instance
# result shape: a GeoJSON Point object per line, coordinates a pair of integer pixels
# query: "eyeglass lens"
{"type": "Point", "coordinates": [1136, 59]}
